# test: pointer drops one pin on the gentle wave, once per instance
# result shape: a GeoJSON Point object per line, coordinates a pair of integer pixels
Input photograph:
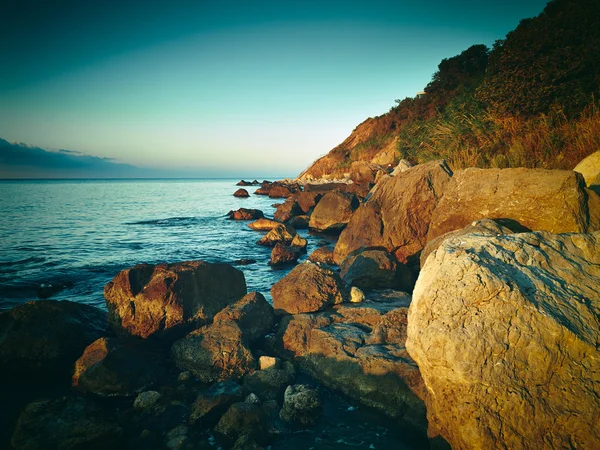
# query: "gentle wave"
{"type": "Point", "coordinates": [171, 222]}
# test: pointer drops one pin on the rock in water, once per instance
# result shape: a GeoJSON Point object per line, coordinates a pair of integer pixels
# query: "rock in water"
{"type": "Point", "coordinates": [397, 213]}
{"type": "Point", "coordinates": [145, 299]}
{"type": "Point", "coordinates": [253, 314]}
{"type": "Point", "coordinates": [245, 214]}
{"type": "Point", "coordinates": [214, 401]}
{"type": "Point", "coordinates": [548, 200]}
{"type": "Point", "coordinates": [307, 288]}
{"type": "Point", "coordinates": [505, 331]}
{"type": "Point", "coordinates": [242, 193]}
{"type": "Point", "coordinates": [263, 224]}
{"type": "Point", "coordinates": [301, 405]}
{"type": "Point", "coordinates": [290, 208]}
{"type": "Point", "coordinates": [282, 233]}
{"type": "Point", "coordinates": [282, 254]}
{"type": "Point", "coordinates": [243, 419]}
{"type": "Point", "coordinates": [41, 340]}
{"type": "Point", "coordinates": [333, 211]}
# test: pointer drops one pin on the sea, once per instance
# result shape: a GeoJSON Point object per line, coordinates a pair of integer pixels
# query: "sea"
{"type": "Point", "coordinates": [65, 239]}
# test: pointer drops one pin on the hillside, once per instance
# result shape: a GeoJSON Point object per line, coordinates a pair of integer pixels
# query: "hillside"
{"type": "Point", "coordinates": [531, 101]}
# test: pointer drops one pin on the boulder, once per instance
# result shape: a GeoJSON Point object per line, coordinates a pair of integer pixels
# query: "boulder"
{"type": "Point", "coordinates": [110, 367]}
{"type": "Point", "coordinates": [589, 167]}
{"type": "Point", "coordinates": [253, 314]}
{"type": "Point", "coordinates": [263, 224]}
{"type": "Point", "coordinates": [283, 254]}
{"type": "Point", "coordinates": [307, 200]}
{"type": "Point", "coordinates": [213, 353]}
{"type": "Point", "coordinates": [41, 340]}
{"type": "Point", "coordinates": [243, 183]}
{"type": "Point", "coordinates": [245, 214]}
{"type": "Point", "coordinates": [288, 209]}
{"type": "Point", "coordinates": [299, 244]}
{"type": "Point", "coordinates": [269, 384]}
{"type": "Point", "coordinates": [333, 212]}
{"type": "Point", "coordinates": [402, 166]}
{"type": "Point", "coordinates": [145, 401]}
{"type": "Point", "coordinates": [283, 190]}
{"type": "Point", "coordinates": [397, 213]}
{"type": "Point", "coordinates": [300, 222]}
{"type": "Point", "coordinates": [146, 299]}
{"type": "Point", "coordinates": [548, 200]}
{"type": "Point", "coordinates": [244, 419]}
{"type": "Point", "coordinates": [364, 172]}
{"type": "Point", "coordinates": [213, 402]}
{"type": "Point", "coordinates": [301, 406]}
{"type": "Point", "coordinates": [483, 227]}
{"type": "Point", "coordinates": [322, 255]}
{"type": "Point", "coordinates": [307, 288]}
{"type": "Point", "coordinates": [66, 423]}
{"type": "Point", "coordinates": [369, 268]}
{"type": "Point", "coordinates": [505, 332]}
{"type": "Point", "coordinates": [243, 193]}
{"type": "Point", "coordinates": [282, 233]}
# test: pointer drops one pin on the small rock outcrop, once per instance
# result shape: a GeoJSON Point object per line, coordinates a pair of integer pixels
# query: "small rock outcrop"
{"type": "Point", "coordinates": [505, 332]}
{"type": "Point", "coordinates": [41, 340]}
{"type": "Point", "coordinates": [213, 353]}
{"type": "Point", "coordinates": [253, 314]}
{"type": "Point", "coordinates": [145, 300]}
{"type": "Point", "coordinates": [548, 200]}
{"type": "Point", "coordinates": [301, 406]}
{"type": "Point", "coordinates": [307, 288]}
{"type": "Point", "coordinates": [245, 214]}
{"type": "Point", "coordinates": [283, 254]}
{"type": "Point", "coordinates": [282, 233]}
{"type": "Point", "coordinates": [263, 224]}
{"type": "Point", "coordinates": [333, 212]}
{"type": "Point", "coordinates": [243, 183]}
{"type": "Point", "coordinates": [242, 193]}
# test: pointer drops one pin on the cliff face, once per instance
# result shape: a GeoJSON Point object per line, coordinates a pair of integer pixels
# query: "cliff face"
{"type": "Point", "coordinates": [371, 142]}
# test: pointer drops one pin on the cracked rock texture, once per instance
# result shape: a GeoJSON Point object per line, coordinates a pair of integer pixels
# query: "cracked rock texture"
{"type": "Point", "coordinates": [506, 332]}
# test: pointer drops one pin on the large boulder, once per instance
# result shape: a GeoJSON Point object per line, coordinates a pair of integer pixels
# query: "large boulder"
{"type": "Point", "coordinates": [589, 167]}
{"type": "Point", "coordinates": [505, 332]}
{"type": "Point", "coordinates": [282, 233]}
{"type": "Point", "coordinates": [322, 255]}
{"type": "Point", "coordinates": [263, 224]}
{"type": "Point", "coordinates": [242, 193]}
{"type": "Point", "coordinates": [307, 200]}
{"type": "Point", "coordinates": [397, 213]}
{"type": "Point", "coordinates": [253, 314]}
{"type": "Point", "coordinates": [213, 353]}
{"type": "Point", "coordinates": [333, 211]}
{"type": "Point", "coordinates": [288, 209]}
{"type": "Point", "coordinates": [66, 423]}
{"type": "Point", "coordinates": [245, 214]}
{"type": "Point", "coordinates": [346, 349]}
{"type": "Point", "coordinates": [283, 254]}
{"type": "Point", "coordinates": [369, 268]}
{"type": "Point", "coordinates": [300, 222]}
{"type": "Point", "coordinates": [301, 406]}
{"type": "Point", "coordinates": [364, 172]}
{"type": "Point", "coordinates": [41, 340]}
{"type": "Point", "coordinates": [307, 288]}
{"type": "Point", "coordinates": [548, 200]}
{"type": "Point", "coordinates": [110, 367]}
{"type": "Point", "coordinates": [146, 299]}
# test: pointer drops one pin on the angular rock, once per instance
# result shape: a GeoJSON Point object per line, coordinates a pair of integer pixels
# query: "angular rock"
{"type": "Point", "coordinates": [282, 254]}
{"type": "Point", "coordinates": [283, 190]}
{"type": "Point", "coordinates": [307, 288]}
{"type": "Point", "coordinates": [245, 214]}
{"type": "Point", "coordinates": [505, 332]}
{"type": "Point", "coordinates": [397, 213]}
{"type": "Point", "coordinates": [369, 269]}
{"type": "Point", "coordinates": [213, 402]}
{"type": "Point", "coordinates": [299, 222]}
{"type": "Point", "coordinates": [214, 353]}
{"type": "Point", "coordinates": [323, 255]}
{"type": "Point", "coordinates": [290, 208]}
{"type": "Point", "coordinates": [402, 166]}
{"type": "Point", "coordinates": [333, 212]}
{"type": "Point", "coordinates": [146, 300]}
{"type": "Point", "coordinates": [243, 183]}
{"type": "Point", "coordinates": [146, 400]}
{"type": "Point", "coordinates": [301, 406]}
{"type": "Point", "coordinates": [67, 423]}
{"type": "Point", "coordinates": [109, 367]}
{"type": "Point", "coordinates": [356, 295]}
{"type": "Point", "coordinates": [548, 200]}
{"type": "Point", "coordinates": [269, 362]}
{"type": "Point", "coordinates": [263, 224]}
{"type": "Point", "coordinates": [269, 384]}
{"type": "Point", "coordinates": [41, 340]}
{"type": "Point", "coordinates": [299, 244]}
{"type": "Point", "coordinates": [307, 200]}
{"type": "Point", "coordinates": [253, 314]}
{"type": "Point", "coordinates": [589, 167]}
{"type": "Point", "coordinates": [243, 193]}
{"type": "Point", "coordinates": [243, 419]}
{"type": "Point", "coordinates": [282, 233]}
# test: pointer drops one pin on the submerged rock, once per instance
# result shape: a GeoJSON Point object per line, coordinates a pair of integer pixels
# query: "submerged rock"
{"type": "Point", "coordinates": [245, 214]}
{"type": "Point", "coordinates": [505, 332]}
{"type": "Point", "coordinates": [147, 299]}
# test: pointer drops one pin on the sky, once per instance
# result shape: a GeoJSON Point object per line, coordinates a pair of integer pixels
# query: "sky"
{"type": "Point", "coordinates": [223, 88]}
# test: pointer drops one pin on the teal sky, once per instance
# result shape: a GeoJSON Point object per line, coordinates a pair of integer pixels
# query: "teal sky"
{"type": "Point", "coordinates": [223, 88]}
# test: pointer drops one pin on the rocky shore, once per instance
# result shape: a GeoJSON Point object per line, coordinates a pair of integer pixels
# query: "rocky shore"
{"type": "Point", "coordinates": [460, 309]}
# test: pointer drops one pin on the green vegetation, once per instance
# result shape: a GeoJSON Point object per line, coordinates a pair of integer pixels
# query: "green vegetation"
{"type": "Point", "coordinates": [529, 102]}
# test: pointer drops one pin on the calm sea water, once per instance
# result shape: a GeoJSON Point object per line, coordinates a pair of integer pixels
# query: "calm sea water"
{"type": "Point", "coordinates": [80, 234]}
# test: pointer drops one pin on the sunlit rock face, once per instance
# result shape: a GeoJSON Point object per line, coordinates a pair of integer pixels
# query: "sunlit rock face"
{"type": "Point", "coordinates": [506, 332]}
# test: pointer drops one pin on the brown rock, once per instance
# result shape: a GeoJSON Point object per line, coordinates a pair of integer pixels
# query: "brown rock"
{"type": "Point", "coordinates": [263, 224]}
{"type": "Point", "coordinates": [216, 352]}
{"type": "Point", "coordinates": [283, 254]}
{"type": "Point", "coordinates": [241, 193]}
{"type": "Point", "coordinates": [243, 183]}
{"type": "Point", "coordinates": [299, 222]}
{"type": "Point", "coordinates": [589, 167]}
{"type": "Point", "coordinates": [245, 214]}
{"type": "Point", "coordinates": [369, 268]}
{"type": "Point", "coordinates": [253, 314]}
{"type": "Point", "coordinates": [283, 190]}
{"type": "Point", "coordinates": [282, 233]}
{"type": "Point", "coordinates": [549, 200]}
{"type": "Point", "coordinates": [397, 213]}
{"type": "Point", "coordinates": [41, 340]}
{"type": "Point", "coordinates": [288, 209]}
{"type": "Point", "coordinates": [307, 288]}
{"type": "Point", "coordinates": [244, 419]}
{"type": "Point", "coordinates": [110, 368]}
{"type": "Point", "coordinates": [505, 332]}
{"type": "Point", "coordinates": [299, 244]}
{"type": "Point", "coordinates": [333, 212]}
{"type": "Point", "coordinates": [323, 255]}
{"type": "Point", "coordinates": [307, 200]}
{"type": "Point", "coordinates": [213, 402]}
{"type": "Point", "coordinates": [363, 172]}
{"type": "Point", "coordinates": [146, 299]}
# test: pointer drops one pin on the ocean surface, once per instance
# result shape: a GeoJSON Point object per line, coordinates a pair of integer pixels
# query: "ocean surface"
{"type": "Point", "coordinates": [76, 235]}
